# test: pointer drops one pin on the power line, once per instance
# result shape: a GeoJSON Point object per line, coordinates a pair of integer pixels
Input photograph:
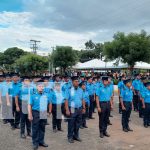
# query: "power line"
{"type": "Point", "coordinates": [33, 46]}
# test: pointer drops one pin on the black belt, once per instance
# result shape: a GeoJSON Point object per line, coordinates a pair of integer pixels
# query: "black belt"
{"type": "Point", "coordinates": [126, 102]}
{"type": "Point", "coordinates": [103, 102]}
{"type": "Point", "coordinates": [147, 103]}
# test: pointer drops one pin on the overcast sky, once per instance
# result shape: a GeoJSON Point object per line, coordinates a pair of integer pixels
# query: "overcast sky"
{"type": "Point", "coordinates": [69, 22]}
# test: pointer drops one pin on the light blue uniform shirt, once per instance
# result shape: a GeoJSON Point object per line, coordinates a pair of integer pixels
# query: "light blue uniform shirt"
{"type": "Point", "coordinates": [57, 97]}
{"type": "Point", "coordinates": [127, 94]}
{"type": "Point", "coordinates": [39, 101]}
{"type": "Point", "coordinates": [90, 88]}
{"type": "Point", "coordinates": [103, 93]}
{"type": "Point", "coordinates": [25, 92]}
{"type": "Point", "coordinates": [14, 88]}
{"type": "Point", "coordinates": [74, 97]}
{"type": "Point", "coordinates": [121, 85]}
{"type": "Point", "coordinates": [146, 95]}
{"type": "Point", "coordinates": [86, 97]}
{"type": "Point", "coordinates": [136, 84]}
{"type": "Point", "coordinates": [4, 88]}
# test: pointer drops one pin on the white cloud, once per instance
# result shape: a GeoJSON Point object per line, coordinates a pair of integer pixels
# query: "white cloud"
{"type": "Point", "coordinates": [20, 31]}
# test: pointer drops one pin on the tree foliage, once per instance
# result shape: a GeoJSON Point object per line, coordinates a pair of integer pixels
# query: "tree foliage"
{"type": "Point", "coordinates": [31, 64]}
{"type": "Point", "coordinates": [129, 48]}
{"type": "Point", "coordinates": [63, 57]}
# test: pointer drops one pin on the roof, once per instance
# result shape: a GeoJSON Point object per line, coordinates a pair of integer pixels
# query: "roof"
{"type": "Point", "coordinates": [99, 64]}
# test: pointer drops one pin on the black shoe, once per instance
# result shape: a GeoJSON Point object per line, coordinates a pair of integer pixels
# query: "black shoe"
{"type": "Point", "coordinates": [91, 118]}
{"type": "Point", "coordinates": [109, 123]}
{"type": "Point", "coordinates": [13, 128]}
{"type": "Point", "coordinates": [125, 130]}
{"type": "Point", "coordinates": [101, 135]}
{"type": "Point", "coordinates": [111, 116]}
{"type": "Point", "coordinates": [54, 130]}
{"type": "Point", "coordinates": [70, 140]}
{"type": "Point", "coordinates": [17, 127]}
{"type": "Point", "coordinates": [106, 134]}
{"type": "Point", "coordinates": [47, 124]}
{"type": "Point", "coordinates": [29, 135]}
{"type": "Point", "coordinates": [85, 126]}
{"type": "Point", "coordinates": [81, 127]}
{"type": "Point", "coordinates": [77, 139]}
{"type": "Point", "coordinates": [60, 130]}
{"type": "Point", "coordinates": [23, 136]}
{"type": "Point", "coordinates": [35, 147]}
{"type": "Point", "coordinates": [5, 122]}
{"type": "Point", "coordinates": [146, 126]}
{"type": "Point", "coordinates": [129, 129]}
{"type": "Point", "coordinates": [43, 145]}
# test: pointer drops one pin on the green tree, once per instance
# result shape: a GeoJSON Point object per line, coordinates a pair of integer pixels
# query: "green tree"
{"type": "Point", "coordinates": [64, 57]}
{"type": "Point", "coordinates": [129, 48]}
{"type": "Point", "coordinates": [31, 64]}
{"type": "Point", "coordinates": [89, 45]}
{"type": "Point", "coordinates": [11, 55]}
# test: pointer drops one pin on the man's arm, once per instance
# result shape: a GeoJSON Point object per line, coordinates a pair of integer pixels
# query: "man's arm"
{"type": "Point", "coordinates": [30, 117]}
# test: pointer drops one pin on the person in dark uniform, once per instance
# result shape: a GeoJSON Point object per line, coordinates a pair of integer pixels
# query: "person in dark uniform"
{"type": "Point", "coordinates": [86, 98]}
{"type": "Point", "coordinates": [142, 88]}
{"type": "Point", "coordinates": [37, 113]}
{"type": "Point", "coordinates": [146, 104]}
{"type": "Point", "coordinates": [12, 91]}
{"type": "Point", "coordinates": [74, 106]}
{"type": "Point", "coordinates": [5, 99]}
{"type": "Point", "coordinates": [57, 99]}
{"type": "Point", "coordinates": [120, 87]}
{"type": "Point", "coordinates": [23, 96]}
{"type": "Point", "coordinates": [103, 98]}
{"type": "Point", "coordinates": [127, 104]}
{"type": "Point", "coordinates": [136, 95]}
{"type": "Point", "coordinates": [91, 91]}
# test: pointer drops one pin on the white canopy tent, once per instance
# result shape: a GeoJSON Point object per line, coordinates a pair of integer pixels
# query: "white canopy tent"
{"type": "Point", "coordinates": [99, 64]}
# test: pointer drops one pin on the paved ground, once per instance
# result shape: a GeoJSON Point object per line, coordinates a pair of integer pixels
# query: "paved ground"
{"type": "Point", "coordinates": [137, 140]}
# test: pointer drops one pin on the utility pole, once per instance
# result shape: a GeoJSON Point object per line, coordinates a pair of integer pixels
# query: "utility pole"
{"type": "Point", "coordinates": [34, 46]}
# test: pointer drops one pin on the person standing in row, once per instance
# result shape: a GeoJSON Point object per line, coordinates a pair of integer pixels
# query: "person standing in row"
{"type": "Point", "coordinates": [120, 87]}
{"type": "Point", "coordinates": [57, 98]}
{"type": "Point", "coordinates": [126, 100]}
{"type": "Point", "coordinates": [146, 105]}
{"type": "Point", "coordinates": [82, 85]}
{"type": "Point", "coordinates": [37, 112]}
{"type": "Point", "coordinates": [23, 97]}
{"type": "Point", "coordinates": [75, 106]}
{"type": "Point", "coordinates": [91, 91]}
{"type": "Point", "coordinates": [136, 92]}
{"type": "Point", "coordinates": [103, 98]}
{"type": "Point", "coordinates": [12, 91]}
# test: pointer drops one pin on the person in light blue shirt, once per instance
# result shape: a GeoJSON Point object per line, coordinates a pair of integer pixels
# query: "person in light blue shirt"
{"type": "Point", "coordinates": [142, 88]}
{"type": "Point", "coordinates": [86, 98]}
{"type": "Point", "coordinates": [23, 97]}
{"type": "Point", "coordinates": [103, 98]}
{"type": "Point", "coordinates": [74, 106]}
{"type": "Point", "coordinates": [6, 108]}
{"type": "Point", "coordinates": [37, 108]}
{"type": "Point", "coordinates": [13, 89]}
{"type": "Point", "coordinates": [127, 104]}
{"type": "Point", "coordinates": [146, 104]}
{"type": "Point", "coordinates": [136, 91]}
{"type": "Point", "coordinates": [57, 99]}
{"type": "Point", "coordinates": [120, 88]}
{"type": "Point", "coordinates": [91, 91]}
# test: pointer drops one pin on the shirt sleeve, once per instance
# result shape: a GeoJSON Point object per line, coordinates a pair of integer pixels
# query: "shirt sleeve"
{"type": "Point", "coordinates": [97, 92]}
{"type": "Point", "coordinates": [30, 102]}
